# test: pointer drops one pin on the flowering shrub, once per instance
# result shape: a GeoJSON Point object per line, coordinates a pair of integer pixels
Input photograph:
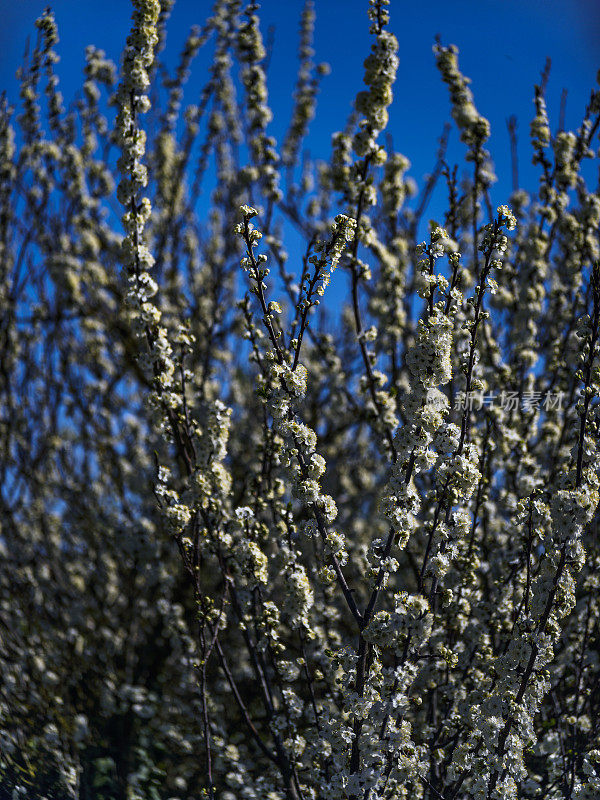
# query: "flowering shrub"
{"type": "Point", "coordinates": [257, 541]}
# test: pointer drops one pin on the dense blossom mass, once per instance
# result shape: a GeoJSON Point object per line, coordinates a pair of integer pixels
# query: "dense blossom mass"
{"type": "Point", "coordinates": [261, 539]}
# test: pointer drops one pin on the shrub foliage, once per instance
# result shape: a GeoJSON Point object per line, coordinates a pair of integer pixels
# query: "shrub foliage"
{"type": "Point", "coordinates": [267, 538]}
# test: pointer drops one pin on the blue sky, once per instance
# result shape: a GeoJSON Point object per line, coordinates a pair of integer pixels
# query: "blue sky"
{"type": "Point", "coordinates": [503, 47]}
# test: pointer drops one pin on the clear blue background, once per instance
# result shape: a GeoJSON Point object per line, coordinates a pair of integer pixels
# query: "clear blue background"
{"type": "Point", "coordinates": [503, 47]}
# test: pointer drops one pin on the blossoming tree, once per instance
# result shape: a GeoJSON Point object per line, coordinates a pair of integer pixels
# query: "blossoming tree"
{"type": "Point", "coordinates": [256, 544]}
